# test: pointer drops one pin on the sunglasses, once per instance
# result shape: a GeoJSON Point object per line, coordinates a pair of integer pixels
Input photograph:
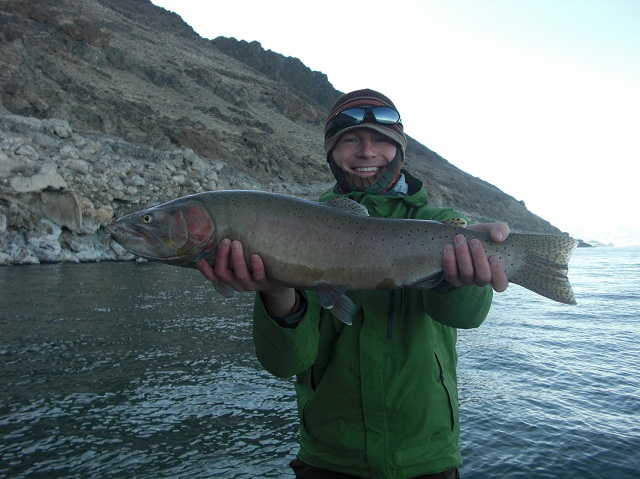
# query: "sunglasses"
{"type": "Point", "coordinates": [383, 115]}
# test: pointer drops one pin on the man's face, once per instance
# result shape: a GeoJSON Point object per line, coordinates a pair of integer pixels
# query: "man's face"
{"type": "Point", "coordinates": [363, 152]}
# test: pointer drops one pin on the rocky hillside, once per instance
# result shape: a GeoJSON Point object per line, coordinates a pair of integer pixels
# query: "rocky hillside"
{"type": "Point", "coordinates": [109, 106]}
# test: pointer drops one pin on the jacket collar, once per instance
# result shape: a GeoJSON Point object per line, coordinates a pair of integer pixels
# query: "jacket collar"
{"type": "Point", "coordinates": [417, 194]}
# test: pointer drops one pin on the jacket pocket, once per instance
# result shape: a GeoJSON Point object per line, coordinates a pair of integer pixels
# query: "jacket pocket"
{"type": "Point", "coordinates": [450, 389]}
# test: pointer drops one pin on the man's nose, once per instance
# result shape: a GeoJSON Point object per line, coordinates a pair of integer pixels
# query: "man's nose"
{"type": "Point", "coordinates": [367, 148]}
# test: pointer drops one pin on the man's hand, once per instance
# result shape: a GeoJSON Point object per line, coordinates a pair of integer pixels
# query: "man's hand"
{"type": "Point", "coordinates": [230, 267]}
{"type": "Point", "coordinates": [467, 264]}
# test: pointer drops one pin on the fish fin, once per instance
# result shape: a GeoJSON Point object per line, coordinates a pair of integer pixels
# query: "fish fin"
{"type": "Point", "coordinates": [223, 288]}
{"type": "Point", "coordinates": [430, 281]}
{"type": "Point", "coordinates": [451, 221]}
{"type": "Point", "coordinates": [348, 206]}
{"type": "Point", "coordinates": [331, 296]}
{"type": "Point", "coordinates": [328, 293]}
{"type": "Point", "coordinates": [456, 222]}
{"type": "Point", "coordinates": [545, 266]}
{"type": "Point", "coordinates": [344, 309]}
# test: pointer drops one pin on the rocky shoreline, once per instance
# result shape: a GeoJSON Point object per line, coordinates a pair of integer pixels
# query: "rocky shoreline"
{"type": "Point", "coordinates": [60, 190]}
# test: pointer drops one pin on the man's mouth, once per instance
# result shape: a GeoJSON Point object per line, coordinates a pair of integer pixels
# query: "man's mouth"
{"type": "Point", "coordinates": [366, 169]}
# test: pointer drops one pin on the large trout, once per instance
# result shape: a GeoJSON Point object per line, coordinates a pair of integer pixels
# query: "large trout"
{"type": "Point", "coordinates": [332, 247]}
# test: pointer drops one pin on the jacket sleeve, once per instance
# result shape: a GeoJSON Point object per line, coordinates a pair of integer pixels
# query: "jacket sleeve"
{"type": "Point", "coordinates": [283, 351]}
{"type": "Point", "coordinates": [465, 307]}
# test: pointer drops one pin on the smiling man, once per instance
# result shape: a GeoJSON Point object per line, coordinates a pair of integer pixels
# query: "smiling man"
{"type": "Point", "coordinates": [377, 399]}
{"type": "Point", "coordinates": [365, 143]}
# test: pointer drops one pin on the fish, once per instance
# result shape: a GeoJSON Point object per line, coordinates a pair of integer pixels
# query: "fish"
{"type": "Point", "coordinates": [332, 247]}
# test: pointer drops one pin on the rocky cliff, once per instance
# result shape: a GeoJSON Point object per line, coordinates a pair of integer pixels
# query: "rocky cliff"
{"type": "Point", "coordinates": [109, 106]}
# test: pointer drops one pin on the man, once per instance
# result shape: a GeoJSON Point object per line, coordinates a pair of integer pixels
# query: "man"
{"type": "Point", "coordinates": [377, 399]}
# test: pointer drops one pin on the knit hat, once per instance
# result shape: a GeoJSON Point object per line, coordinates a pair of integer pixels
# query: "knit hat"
{"type": "Point", "coordinates": [362, 98]}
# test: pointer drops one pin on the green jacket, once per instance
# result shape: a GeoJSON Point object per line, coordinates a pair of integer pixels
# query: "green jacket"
{"type": "Point", "coordinates": [379, 398]}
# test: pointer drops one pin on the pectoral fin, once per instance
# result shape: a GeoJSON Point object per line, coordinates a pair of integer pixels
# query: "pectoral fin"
{"type": "Point", "coordinates": [223, 288]}
{"type": "Point", "coordinates": [332, 297]}
{"type": "Point", "coordinates": [430, 281]}
{"type": "Point", "coordinates": [344, 309]}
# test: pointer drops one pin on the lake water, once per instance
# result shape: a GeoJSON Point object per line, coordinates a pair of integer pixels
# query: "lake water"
{"type": "Point", "coordinates": [142, 370]}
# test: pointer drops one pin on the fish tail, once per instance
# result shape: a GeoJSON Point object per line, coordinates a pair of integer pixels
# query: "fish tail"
{"type": "Point", "coordinates": [545, 265]}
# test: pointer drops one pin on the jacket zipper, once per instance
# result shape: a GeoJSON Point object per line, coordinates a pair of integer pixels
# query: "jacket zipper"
{"type": "Point", "coordinates": [390, 313]}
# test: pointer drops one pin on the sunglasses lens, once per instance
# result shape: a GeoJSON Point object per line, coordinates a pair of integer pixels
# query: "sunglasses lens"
{"type": "Point", "coordinates": [352, 116]}
{"type": "Point", "coordinates": [385, 115]}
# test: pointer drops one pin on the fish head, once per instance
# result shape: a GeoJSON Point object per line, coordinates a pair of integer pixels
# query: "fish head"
{"type": "Point", "coordinates": [176, 233]}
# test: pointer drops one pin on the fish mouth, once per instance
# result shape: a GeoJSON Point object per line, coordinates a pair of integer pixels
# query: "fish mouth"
{"type": "Point", "coordinates": [142, 243]}
{"type": "Point", "coordinates": [130, 239]}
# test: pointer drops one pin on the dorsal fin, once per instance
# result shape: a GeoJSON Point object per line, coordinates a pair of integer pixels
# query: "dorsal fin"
{"type": "Point", "coordinates": [348, 206]}
{"type": "Point", "coordinates": [456, 222]}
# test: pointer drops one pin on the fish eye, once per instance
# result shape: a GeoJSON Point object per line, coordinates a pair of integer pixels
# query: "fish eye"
{"type": "Point", "coordinates": [147, 218]}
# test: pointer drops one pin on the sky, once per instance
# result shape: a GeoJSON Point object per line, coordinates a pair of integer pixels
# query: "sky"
{"type": "Point", "coordinates": [540, 98]}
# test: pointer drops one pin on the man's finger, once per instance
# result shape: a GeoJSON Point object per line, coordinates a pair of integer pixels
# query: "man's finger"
{"type": "Point", "coordinates": [499, 280]}
{"type": "Point", "coordinates": [450, 266]}
{"type": "Point", "coordinates": [482, 270]}
{"type": "Point", "coordinates": [206, 270]}
{"type": "Point", "coordinates": [464, 260]}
